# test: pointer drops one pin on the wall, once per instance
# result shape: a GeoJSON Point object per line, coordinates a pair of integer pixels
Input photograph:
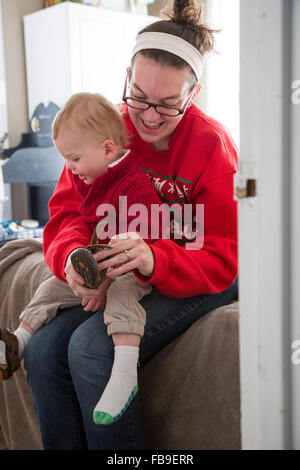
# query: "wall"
{"type": "Point", "coordinates": [12, 15]}
{"type": "Point", "coordinates": [16, 94]}
{"type": "Point", "coordinates": [154, 8]}
{"type": "Point", "coordinates": [3, 123]}
{"type": "Point", "coordinates": [3, 114]}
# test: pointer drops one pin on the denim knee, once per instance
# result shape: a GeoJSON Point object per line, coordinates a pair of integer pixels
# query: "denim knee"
{"type": "Point", "coordinates": [45, 354]}
{"type": "Point", "coordinates": [90, 343]}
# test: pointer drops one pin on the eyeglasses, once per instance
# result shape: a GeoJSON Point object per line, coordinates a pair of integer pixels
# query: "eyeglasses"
{"type": "Point", "coordinates": [144, 105]}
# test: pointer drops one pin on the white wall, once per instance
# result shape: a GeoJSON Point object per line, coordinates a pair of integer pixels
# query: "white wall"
{"type": "Point", "coordinates": [12, 18]}
{"type": "Point", "coordinates": [221, 83]}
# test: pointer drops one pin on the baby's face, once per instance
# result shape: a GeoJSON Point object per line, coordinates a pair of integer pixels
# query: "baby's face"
{"type": "Point", "coordinates": [83, 152]}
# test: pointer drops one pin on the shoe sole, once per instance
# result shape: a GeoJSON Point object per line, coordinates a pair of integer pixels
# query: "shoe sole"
{"type": "Point", "coordinates": [85, 264]}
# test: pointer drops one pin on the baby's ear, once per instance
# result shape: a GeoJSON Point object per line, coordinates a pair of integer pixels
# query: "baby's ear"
{"type": "Point", "coordinates": [110, 149]}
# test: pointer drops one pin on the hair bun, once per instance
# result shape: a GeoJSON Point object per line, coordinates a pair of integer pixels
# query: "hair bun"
{"type": "Point", "coordinates": [184, 12]}
{"type": "Point", "coordinates": [184, 20]}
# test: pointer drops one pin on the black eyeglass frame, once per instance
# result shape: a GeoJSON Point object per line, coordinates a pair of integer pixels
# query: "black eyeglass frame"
{"type": "Point", "coordinates": [154, 105]}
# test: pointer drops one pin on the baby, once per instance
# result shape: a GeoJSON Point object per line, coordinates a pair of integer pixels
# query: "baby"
{"type": "Point", "coordinates": [90, 135]}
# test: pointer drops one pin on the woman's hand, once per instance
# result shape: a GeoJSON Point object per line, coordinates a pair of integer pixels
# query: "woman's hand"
{"type": "Point", "coordinates": [128, 252]}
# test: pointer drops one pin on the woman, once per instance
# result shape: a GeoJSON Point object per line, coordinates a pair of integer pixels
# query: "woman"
{"type": "Point", "coordinates": [191, 159]}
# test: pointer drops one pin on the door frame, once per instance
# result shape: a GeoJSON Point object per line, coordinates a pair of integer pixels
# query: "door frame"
{"type": "Point", "coordinates": [268, 225]}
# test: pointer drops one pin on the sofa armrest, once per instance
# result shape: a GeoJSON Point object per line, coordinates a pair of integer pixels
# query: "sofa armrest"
{"type": "Point", "coordinates": [190, 390]}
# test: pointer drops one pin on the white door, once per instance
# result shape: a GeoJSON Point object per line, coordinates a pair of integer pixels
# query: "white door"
{"type": "Point", "coordinates": [295, 224]}
{"type": "Point", "coordinates": [269, 224]}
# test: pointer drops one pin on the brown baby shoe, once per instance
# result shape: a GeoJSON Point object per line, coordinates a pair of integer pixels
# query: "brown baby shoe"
{"type": "Point", "coordinates": [85, 264]}
{"type": "Point", "coordinates": [9, 348]}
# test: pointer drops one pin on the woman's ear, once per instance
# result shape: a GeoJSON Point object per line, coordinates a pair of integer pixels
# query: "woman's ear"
{"type": "Point", "coordinates": [110, 150]}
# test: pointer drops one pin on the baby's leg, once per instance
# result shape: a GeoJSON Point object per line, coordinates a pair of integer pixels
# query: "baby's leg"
{"type": "Point", "coordinates": [51, 295]}
{"type": "Point", "coordinates": [126, 320]}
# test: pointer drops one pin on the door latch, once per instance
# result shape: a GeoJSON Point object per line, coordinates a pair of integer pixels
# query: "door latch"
{"type": "Point", "coordinates": [245, 181]}
{"type": "Point", "coordinates": [247, 190]}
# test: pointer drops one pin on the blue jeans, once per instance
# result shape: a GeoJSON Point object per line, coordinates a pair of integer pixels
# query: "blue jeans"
{"type": "Point", "coordinates": [69, 362]}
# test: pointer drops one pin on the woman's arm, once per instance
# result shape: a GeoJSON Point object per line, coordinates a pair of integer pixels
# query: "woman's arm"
{"type": "Point", "coordinates": [182, 272]}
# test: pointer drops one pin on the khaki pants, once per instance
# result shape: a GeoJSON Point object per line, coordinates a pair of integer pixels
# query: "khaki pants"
{"type": "Point", "coordinates": [123, 312]}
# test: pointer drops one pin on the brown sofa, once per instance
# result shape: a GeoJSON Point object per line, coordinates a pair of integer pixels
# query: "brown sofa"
{"type": "Point", "coordinates": [189, 391]}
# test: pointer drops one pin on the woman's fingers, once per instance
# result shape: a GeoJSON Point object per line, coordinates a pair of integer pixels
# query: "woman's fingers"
{"type": "Point", "coordinates": [120, 269]}
{"type": "Point", "coordinates": [118, 244]}
{"type": "Point", "coordinates": [116, 248]}
{"type": "Point", "coordinates": [121, 252]}
{"type": "Point", "coordinates": [127, 255]}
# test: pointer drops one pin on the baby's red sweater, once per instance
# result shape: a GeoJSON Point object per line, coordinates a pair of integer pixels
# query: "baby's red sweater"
{"type": "Point", "coordinates": [108, 199]}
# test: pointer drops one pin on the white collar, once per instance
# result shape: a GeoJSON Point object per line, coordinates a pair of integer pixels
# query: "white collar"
{"type": "Point", "coordinates": [116, 162]}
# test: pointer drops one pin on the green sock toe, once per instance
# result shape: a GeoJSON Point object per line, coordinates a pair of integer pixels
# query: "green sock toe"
{"type": "Point", "coordinates": [100, 417]}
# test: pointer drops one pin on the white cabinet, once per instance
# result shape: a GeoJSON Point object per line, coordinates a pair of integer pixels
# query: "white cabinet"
{"type": "Point", "coordinates": [72, 48]}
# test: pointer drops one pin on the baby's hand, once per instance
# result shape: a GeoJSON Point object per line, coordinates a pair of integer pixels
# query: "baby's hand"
{"type": "Point", "coordinates": [76, 283]}
{"type": "Point", "coordinates": [99, 299]}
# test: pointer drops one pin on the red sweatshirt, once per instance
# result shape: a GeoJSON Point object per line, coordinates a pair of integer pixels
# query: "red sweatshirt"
{"type": "Point", "coordinates": [197, 168]}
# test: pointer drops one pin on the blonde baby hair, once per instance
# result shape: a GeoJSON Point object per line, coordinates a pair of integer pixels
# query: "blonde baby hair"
{"type": "Point", "coordinates": [92, 112]}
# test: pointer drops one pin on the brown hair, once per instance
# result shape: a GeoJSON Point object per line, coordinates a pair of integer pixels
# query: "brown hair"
{"type": "Point", "coordinates": [184, 21]}
{"type": "Point", "coordinates": [92, 112]}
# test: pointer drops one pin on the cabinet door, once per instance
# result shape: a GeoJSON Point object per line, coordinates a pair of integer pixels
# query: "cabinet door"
{"type": "Point", "coordinates": [47, 56]}
{"type": "Point", "coordinates": [105, 50]}
{"type": "Point", "coordinates": [72, 48]}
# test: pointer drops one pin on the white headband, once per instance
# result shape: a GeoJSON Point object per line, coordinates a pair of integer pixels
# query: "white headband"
{"type": "Point", "coordinates": [173, 44]}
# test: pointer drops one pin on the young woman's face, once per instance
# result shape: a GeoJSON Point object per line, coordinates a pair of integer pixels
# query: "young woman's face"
{"type": "Point", "coordinates": [153, 82]}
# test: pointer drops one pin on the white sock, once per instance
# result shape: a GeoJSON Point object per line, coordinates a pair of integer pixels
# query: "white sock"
{"type": "Point", "coordinates": [121, 387]}
{"type": "Point", "coordinates": [23, 338]}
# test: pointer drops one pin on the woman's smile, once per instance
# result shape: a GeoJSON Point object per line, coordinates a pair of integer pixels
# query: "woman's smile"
{"type": "Point", "coordinates": [151, 126]}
